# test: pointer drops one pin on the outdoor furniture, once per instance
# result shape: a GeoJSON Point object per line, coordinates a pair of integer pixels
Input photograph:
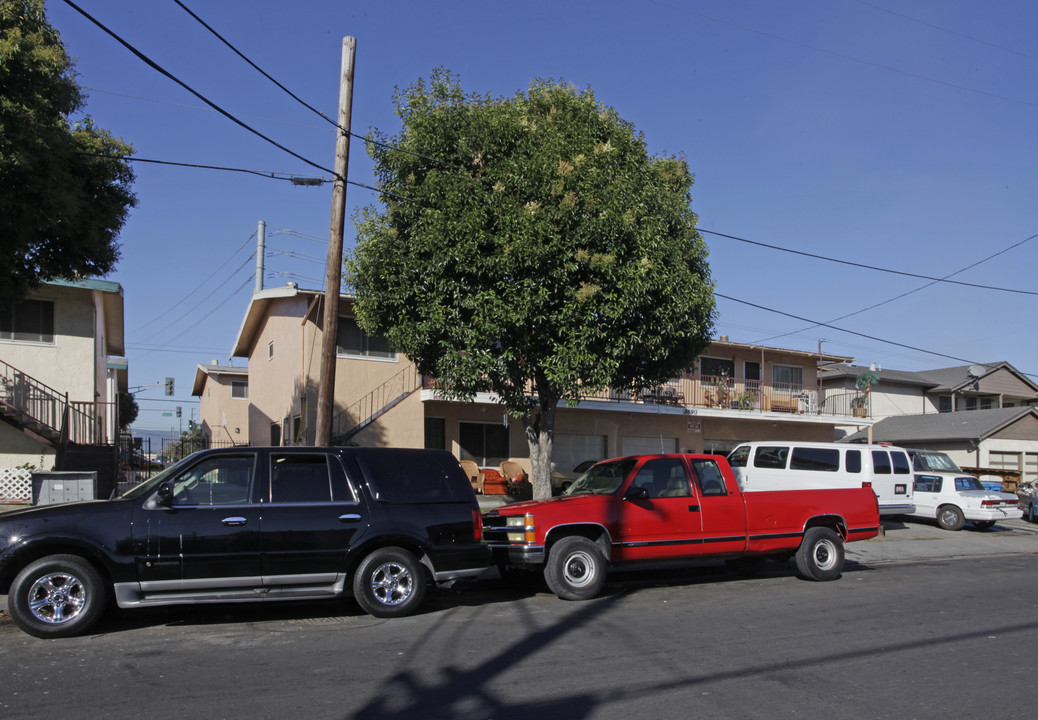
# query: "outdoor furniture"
{"type": "Point", "coordinates": [475, 475]}
{"type": "Point", "coordinates": [494, 482]}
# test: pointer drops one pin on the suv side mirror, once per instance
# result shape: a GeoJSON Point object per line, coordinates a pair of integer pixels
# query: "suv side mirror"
{"type": "Point", "coordinates": [164, 496]}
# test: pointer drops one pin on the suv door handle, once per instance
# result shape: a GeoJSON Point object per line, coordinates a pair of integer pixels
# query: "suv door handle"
{"type": "Point", "coordinates": [349, 517]}
{"type": "Point", "coordinates": [235, 520]}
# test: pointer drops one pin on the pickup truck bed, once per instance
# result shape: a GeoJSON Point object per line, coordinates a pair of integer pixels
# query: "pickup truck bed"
{"type": "Point", "coordinates": [655, 508]}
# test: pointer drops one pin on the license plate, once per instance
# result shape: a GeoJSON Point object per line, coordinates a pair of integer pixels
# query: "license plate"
{"type": "Point", "coordinates": [901, 489]}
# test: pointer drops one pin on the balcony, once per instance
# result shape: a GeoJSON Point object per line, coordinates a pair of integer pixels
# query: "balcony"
{"type": "Point", "coordinates": [718, 395]}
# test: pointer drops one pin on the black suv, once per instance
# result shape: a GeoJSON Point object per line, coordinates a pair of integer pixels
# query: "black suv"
{"type": "Point", "coordinates": [248, 525]}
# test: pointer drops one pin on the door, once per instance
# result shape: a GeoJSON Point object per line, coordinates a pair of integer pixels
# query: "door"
{"type": "Point", "coordinates": [722, 513]}
{"type": "Point", "coordinates": [207, 537]}
{"type": "Point", "coordinates": [310, 515]}
{"type": "Point", "coordinates": [665, 523]}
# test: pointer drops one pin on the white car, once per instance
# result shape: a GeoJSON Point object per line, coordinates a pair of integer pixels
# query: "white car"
{"type": "Point", "coordinates": [945, 493]}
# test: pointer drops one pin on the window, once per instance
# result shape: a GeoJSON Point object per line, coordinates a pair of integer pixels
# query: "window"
{"type": "Point", "coordinates": [771, 457]}
{"type": "Point", "coordinates": [716, 367]}
{"type": "Point", "coordinates": [223, 480]}
{"type": "Point", "coordinates": [239, 388]}
{"type": "Point", "coordinates": [300, 479]}
{"type": "Point", "coordinates": [944, 403]}
{"type": "Point", "coordinates": [902, 465]}
{"type": "Point", "coordinates": [485, 444]}
{"type": "Point", "coordinates": [28, 321]}
{"type": "Point", "coordinates": [739, 456]}
{"type": "Point", "coordinates": [435, 433]}
{"type": "Point", "coordinates": [853, 461]}
{"type": "Point", "coordinates": [788, 375]}
{"type": "Point", "coordinates": [275, 434]}
{"type": "Point", "coordinates": [270, 350]}
{"type": "Point", "coordinates": [663, 478]}
{"type": "Point", "coordinates": [353, 341]}
{"type": "Point", "coordinates": [880, 462]}
{"type": "Point", "coordinates": [820, 459]}
{"type": "Point", "coordinates": [927, 483]}
{"type": "Point", "coordinates": [711, 481]}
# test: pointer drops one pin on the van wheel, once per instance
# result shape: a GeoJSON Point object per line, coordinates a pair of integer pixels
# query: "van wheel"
{"type": "Point", "coordinates": [575, 569]}
{"type": "Point", "coordinates": [57, 596]}
{"type": "Point", "coordinates": [820, 556]}
{"type": "Point", "coordinates": [389, 582]}
{"type": "Point", "coordinates": [950, 517]}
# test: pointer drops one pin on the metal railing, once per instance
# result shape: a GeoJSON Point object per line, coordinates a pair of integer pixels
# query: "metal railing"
{"type": "Point", "coordinates": [373, 405]}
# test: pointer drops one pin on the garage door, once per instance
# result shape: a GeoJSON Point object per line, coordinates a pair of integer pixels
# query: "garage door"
{"type": "Point", "coordinates": [570, 449]}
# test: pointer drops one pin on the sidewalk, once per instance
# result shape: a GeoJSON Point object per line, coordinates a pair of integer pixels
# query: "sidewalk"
{"type": "Point", "coordinates": [924, 540]}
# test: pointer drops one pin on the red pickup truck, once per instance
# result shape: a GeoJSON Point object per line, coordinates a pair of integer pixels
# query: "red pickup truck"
{"type": "Point", "coordinates": [674, 507]}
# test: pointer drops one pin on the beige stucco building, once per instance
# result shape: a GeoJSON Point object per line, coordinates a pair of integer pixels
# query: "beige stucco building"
{"type": "Point", "coordinates": [223, 392]}
{"type": "Point", "coordinates": [60, 369]}
{"type": "Point", "coordinates": [737, 392]}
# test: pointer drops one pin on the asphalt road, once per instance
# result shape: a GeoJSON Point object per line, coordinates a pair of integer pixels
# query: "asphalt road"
{"type": "Point", "coordinates": [908, 638]}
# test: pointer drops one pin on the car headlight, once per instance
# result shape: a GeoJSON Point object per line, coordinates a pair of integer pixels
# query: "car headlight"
{"type": "Point", "coordinates": [520, 528]}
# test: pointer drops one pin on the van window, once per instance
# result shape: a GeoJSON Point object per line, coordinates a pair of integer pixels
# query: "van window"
{"type": "Point", "coordinates": [853, 461]}
{"type": "Point", "coordinates": [880, 462]}
{"type": "Point", "coordinates": [901, 463]}
{"type": "Point", "coordinates": [771, 457]}
{"type": "Point", "coordinates": [819, 459]}
{"type": "Point", "coordinates": [739, 456]}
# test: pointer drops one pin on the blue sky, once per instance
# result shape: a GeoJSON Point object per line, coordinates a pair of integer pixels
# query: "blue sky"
{"type": "Point", "coordinates": [895, 135]}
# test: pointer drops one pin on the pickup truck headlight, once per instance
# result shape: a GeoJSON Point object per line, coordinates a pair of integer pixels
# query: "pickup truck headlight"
{"type": "Point", "coordinates": [520, 528]}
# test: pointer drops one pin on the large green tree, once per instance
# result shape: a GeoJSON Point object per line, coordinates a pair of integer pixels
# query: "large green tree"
{"type": "Point", "coordinates": [530, 247]}
{"type": "Point", "coordinates": [62, 203]}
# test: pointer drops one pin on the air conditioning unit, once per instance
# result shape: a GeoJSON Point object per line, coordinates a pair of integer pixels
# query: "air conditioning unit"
{"type": "Point", "coordinates": [807, 403]}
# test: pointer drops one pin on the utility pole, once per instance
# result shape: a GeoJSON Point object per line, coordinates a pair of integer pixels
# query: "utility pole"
{"type": "Point", "coordinates": [333, 277]}
{"type": "Point", "coordinates": [261, 250]}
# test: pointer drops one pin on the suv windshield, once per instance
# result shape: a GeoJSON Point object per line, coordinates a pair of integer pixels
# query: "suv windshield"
{"type": "Point", "coordinates": [602, 479]}
{"type": "Point", "coordinates": [934, 462]}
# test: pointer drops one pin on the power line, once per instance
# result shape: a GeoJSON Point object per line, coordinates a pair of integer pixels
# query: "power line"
{"type": "Point", "coordinates": [906, 294]}
{"type": "Point", "coordinates": [946, 30]}
{"type": "Point", "coordinates": [875, 267]}
{"type": "Point", "coordinates": [290, 177]}
{"type": "Point", "coordinates": [158, 68]}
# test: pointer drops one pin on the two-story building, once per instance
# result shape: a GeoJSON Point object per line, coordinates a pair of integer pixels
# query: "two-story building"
{"type": "Point", "coordinates": [736, 392]}
{"type": "Point", "coordinates": [223, 392]}
{"type": "Point", "coordinates": [61, 371]}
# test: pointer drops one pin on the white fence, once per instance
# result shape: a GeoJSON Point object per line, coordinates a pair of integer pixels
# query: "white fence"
{"type": "Point", "coordinates": [15, 486]}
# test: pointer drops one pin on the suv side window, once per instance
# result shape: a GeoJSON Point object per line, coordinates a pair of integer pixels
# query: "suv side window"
{"type": "Point", "coordinates": [297, 478]}
{"type": "Point", "coordinates": [222, 480]}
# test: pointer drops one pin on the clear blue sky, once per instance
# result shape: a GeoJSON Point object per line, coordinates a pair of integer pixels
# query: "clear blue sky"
{"type": "Point", "coordinates": [892, 134]}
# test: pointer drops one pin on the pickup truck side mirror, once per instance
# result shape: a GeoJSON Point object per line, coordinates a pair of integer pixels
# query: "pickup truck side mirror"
{"type": "Point", "coordinates": [637, 493]}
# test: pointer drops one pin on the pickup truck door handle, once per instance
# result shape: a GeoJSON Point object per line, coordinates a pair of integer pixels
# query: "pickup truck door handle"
{"type": "Point", "coordinates": [349, 517]}
{"type": "Point", "coordinates": [693, 508]}
{"type": "Point", "coordinates": [235, 520]}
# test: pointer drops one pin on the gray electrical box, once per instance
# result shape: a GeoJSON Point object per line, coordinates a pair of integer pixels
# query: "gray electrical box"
{"type": "Point", "coordinates": [53, 487]}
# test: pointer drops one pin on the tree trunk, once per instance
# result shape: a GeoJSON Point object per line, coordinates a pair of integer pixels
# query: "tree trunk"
{"type": "Point", "coordinates": [540, 433]}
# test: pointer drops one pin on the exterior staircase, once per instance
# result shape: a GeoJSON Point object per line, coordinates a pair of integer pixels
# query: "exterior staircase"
{"type": "Point", "coordinates": [368, 409]}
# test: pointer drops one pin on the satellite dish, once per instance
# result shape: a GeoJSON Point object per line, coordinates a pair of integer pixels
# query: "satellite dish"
{"type": "Point", "coordinates": [976, 370]}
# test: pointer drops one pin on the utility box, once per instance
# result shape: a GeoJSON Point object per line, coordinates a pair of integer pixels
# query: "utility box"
{"type": "Point", "coordinates": [53, 487]}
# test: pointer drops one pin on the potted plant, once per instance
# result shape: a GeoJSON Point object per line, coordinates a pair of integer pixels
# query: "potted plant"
{"type": "Point", "coordinates": [863, 383]}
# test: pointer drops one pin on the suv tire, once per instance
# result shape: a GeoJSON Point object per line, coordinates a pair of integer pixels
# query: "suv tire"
{"type": "Point", "coordinates": [57, 596]}
{"type": "Point", "coordinates": [390, 582]}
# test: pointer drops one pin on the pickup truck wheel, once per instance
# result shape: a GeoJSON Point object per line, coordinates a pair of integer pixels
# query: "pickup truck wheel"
{"type": "Point", "coordinates": [389, 582]}
{"type": "Point", "coordinates": [57, 596]}
{"type": "Point", "coordinates": [575, 569]}
{"type": "Point", "coordinates": [820, 556]}
{"type": "Point", "coordinates": [950, 517]}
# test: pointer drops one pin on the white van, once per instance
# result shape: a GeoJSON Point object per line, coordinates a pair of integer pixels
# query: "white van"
{"type": "Point", "coordinates": [813, 465]}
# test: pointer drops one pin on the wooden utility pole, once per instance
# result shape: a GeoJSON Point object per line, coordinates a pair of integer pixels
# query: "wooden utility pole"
{"type": "Point", "coordinates": [333, 278]}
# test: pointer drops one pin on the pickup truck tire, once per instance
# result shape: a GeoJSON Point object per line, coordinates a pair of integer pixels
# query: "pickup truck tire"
{"type": "Point", "coordinates": [390, 582]}
{"type": "Point", "coordinates": [949, 517]}
{"type": "Point", "coordinates": [575, 569]}
{"type": "Point", "coordinates": [820, 556]}
{"type": "Point", "coordinates": [57, 596]}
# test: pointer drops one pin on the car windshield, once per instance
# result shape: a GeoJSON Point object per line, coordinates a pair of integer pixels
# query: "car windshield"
{"type": "Point", "coordinates": [603, 479]}
{"type": "Point", "coordinates": [935, 462]}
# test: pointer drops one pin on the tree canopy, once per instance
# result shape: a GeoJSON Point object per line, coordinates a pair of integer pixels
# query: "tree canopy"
{"type": "Point", "coordinates": [530, 247]}
{"type": "Point", "coordinates": [63, 198]}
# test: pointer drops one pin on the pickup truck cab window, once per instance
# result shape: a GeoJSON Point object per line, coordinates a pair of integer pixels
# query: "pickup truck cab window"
{"type": "Point", "coordinates": [711, 480]}
{"type": "Point", "coordinates": [664, 477]}
{"type": "Point", "coordinates": [605, 478]}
